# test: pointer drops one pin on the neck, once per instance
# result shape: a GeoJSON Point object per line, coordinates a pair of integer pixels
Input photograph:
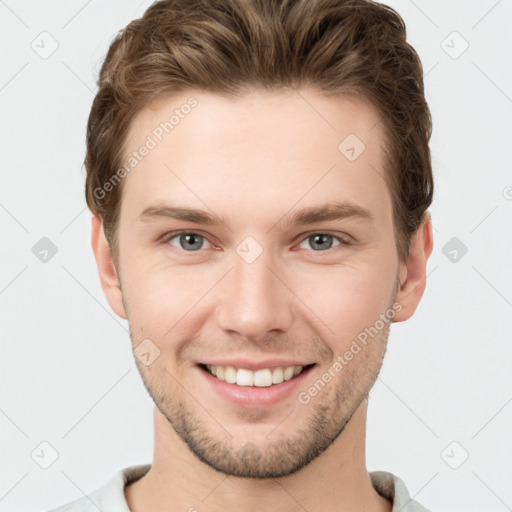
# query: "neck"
{"type": "Point", "coordinates": [337, 480]}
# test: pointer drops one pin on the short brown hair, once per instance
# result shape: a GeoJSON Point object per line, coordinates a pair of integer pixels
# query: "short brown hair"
{"type": "Point", "coordinates": [228, 46]}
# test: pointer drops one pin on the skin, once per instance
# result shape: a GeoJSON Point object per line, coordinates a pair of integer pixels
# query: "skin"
{"type": "Point", "coordinates": [253, 162]}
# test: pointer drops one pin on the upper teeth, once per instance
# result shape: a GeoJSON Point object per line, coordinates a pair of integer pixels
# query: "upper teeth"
{"type": "Point", "coordinates": [260, 378]}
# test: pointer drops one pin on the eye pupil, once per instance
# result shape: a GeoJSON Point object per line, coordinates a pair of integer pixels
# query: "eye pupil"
{"type": "Point", "coordinates": [321, 240]}
{"type": "Point", "coordinates": [191, 241]}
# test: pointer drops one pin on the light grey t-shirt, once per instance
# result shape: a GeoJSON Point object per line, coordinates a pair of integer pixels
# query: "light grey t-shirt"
{"type": "Point", "coordinates": [110, 497]}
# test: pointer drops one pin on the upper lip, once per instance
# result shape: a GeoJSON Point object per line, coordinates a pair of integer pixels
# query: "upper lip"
{"type": "Point", "coordinates": [251, 364]}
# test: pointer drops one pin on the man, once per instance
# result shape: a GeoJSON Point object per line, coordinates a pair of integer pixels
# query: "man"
{"type": "Point", "coordinates": [259, 176]}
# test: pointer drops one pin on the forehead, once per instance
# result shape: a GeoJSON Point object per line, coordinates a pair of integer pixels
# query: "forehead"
{"type": "Point", "coordinates": [262, 151]}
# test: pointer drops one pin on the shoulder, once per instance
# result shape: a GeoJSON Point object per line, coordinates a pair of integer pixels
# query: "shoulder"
{"type": "Point", "coordinates": [393, 488]}
{"type": "Point", "coordinates": [110, 497]}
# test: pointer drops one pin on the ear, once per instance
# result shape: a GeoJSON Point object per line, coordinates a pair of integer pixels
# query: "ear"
{"type": "Point", "coordinates": [106, 269]}
{"type": "Point", "coordinates": [413, 273]}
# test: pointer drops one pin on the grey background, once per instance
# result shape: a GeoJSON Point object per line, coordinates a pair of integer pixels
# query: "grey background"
{"type": "Point", "coordinates": [67, 375]}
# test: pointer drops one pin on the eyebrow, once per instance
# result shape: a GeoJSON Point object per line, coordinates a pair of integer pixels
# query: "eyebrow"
{"type": "Point", "coordinates": [172, 212]}
{"type": "Point", "coordinates": [304, 216]}
{"type": "Point", "coordinates": [330, 211]}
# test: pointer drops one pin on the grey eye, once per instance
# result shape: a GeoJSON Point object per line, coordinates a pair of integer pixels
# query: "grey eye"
{"type": "Point", "coordinates": [320, 241]}
{"type": "Point", "coordinates": [188, 241]}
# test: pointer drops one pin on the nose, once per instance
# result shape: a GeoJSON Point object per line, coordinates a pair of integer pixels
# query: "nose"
{"type": "Point", "coordinates": [254, 300]}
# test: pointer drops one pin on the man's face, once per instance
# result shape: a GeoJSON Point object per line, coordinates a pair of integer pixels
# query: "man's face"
{"type": "Point", "coordinates": [256, 289]}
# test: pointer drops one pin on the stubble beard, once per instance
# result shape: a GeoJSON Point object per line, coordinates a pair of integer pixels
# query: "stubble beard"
{"type": "Point", "coordinates": [283, 453]}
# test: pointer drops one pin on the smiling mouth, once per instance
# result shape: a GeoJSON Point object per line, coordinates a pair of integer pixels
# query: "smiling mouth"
{"type": "Point", "coordinates": [264, 377]}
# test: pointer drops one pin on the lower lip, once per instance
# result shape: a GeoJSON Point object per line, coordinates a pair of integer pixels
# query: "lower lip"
{"type": "Point", "coordinates": [252, 396]}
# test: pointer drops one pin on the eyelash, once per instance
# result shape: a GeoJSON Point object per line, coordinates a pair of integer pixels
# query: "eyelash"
{"type": "Point", "coordinates": [342, 240]}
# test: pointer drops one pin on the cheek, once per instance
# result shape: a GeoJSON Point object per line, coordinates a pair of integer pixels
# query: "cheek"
{"type": "Point", "coordinates": [347, 300]}
{"type": "Point", "coordinates": [162, 300]}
